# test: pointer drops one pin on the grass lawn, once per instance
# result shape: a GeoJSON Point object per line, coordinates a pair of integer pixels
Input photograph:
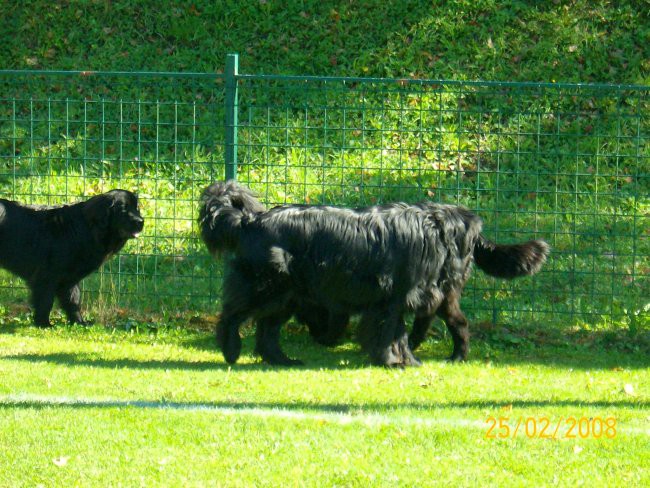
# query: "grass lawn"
{"type": "Point", "coordinates": [577, 40]}
{"type": "Point", "coordinates": [97, 407]}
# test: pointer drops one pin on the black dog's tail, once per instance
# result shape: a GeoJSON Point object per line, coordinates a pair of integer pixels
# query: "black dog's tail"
{"type": "Point", "coordinates": [225, 206]}
{"type": "Point", "coordinates": [510, 261]}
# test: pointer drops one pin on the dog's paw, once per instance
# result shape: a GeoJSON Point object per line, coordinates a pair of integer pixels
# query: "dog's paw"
{"type": "Point", "coordinates": [230, 344]}
{"type": "Point", "coordinates": [230, 358]}
{"type": "Point", "coordinates": [42, 321]}
{"type": "Point", "coordinates": [231, 352]}
{"type": "Point", "coordinates": [389, 357]}
{"type": "Point", "coordinates": [412, 361]}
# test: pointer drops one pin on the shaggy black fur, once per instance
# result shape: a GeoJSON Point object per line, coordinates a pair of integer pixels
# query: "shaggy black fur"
{"type": "Point", "coordinates": [54, 248]}
{"type": "Point", "coordinates": [381, 262]}
{"type": "Point", "coordinates": [324, 329]}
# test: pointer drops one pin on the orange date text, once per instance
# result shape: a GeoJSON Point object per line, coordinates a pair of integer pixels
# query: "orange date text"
{"type": "Point", "coordinates": [545, 428]}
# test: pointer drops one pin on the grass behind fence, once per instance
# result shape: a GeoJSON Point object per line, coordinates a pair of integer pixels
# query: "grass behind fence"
{"type": "Point", "coordinates": [566, 163]}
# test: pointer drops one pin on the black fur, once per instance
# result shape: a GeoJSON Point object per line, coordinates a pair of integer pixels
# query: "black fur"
{"type": "Point", "coordinates": [54, 248]}
{"type": "Point", "coordinates": [381, 262]}
{"type": "Point", "coordinates": [324, 329]}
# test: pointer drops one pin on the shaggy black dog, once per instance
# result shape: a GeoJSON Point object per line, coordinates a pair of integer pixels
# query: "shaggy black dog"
{"type": "Point", "coordinates": [380, 262]}
{"type": "Point", "coordinates": [54, 248]}
{"type": "Point", "coordinates": [326, 329]}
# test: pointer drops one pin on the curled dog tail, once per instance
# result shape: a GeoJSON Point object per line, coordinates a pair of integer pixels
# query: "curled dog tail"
{"type": "Point", "coordinates": [510, 260]}
{"type": "Point", "coordinates": [225, 207]}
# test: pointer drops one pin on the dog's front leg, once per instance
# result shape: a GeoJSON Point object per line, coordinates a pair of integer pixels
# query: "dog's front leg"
{"type": "Point", "coordinates": [228, 334]}
{"type": "Point", "coordinates": [42, 301]}
{"type": "Point", "coordinates": [405, 351]}
{"type": "Point", "coordinates": [327, 328]}
{"type": "Point", "coordinates": [400, 345]}
{"type": "Point", "coordinates": [336, 325]}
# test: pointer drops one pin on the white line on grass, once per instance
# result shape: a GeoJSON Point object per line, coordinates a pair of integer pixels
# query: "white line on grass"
{"type": "Point", "coordinates": [366, 418]}
{"type": "Point", "coordinates": [28, 400]}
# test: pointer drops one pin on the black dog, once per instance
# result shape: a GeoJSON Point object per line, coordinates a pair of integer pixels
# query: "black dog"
{"type": "Point", "coordinates": [326, 329]}
{"type": "Point", "coordinates": [54, 248]}
{"type": "Point", "coordinates": [381, 262]}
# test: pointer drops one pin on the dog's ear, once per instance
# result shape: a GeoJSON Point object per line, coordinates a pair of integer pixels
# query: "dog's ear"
{"type": "Point", "coordinates": [97, 211]}
{"type": "Point", "coordinates": [246, 202]}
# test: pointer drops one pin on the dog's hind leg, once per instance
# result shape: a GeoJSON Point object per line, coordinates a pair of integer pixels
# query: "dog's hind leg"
{"type": "Point", "coordinates": [382, 333]}
{"type": "Point", "coordinates": [421, 326]}
{"type": "Point", "coordinates": [42, 301]}
{"type": "Point", "coordinates": [267, 341]}
{"type": "Point", "coordinates": [70, 300]}
{"type": "Point", "coordinates": [456, 322]}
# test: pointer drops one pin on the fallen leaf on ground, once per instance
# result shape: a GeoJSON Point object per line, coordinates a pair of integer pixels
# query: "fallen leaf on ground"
{"type": "Point", "coordinates": [61, 461]}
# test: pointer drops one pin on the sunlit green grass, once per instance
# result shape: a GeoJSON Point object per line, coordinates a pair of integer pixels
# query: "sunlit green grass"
{"type": "Point", "coordinates": [103, 406]}
{"type": "Point", "coordinates": [580, 41]}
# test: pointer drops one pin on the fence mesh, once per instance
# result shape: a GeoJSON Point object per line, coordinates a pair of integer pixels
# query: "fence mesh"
{"type": "Point", "coordinates": [567, 163]}
{"type": "Point", "coordinates": [66, 136]}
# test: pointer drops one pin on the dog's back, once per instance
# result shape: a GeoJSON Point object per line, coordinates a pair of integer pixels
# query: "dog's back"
{"type": "Point", "coordinates": [349, 258]}
{"type": "Point", "coordinates": [28, 232]}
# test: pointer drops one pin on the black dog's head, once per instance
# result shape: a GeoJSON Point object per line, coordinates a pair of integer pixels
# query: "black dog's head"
{"type": "Point", "coordinates": [224, 206]}
{"type": "Point", "coordinates": [115, 215]}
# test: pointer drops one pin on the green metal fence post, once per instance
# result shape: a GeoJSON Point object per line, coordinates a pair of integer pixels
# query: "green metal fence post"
{"type": "Point", "coordinates": [232, 67]}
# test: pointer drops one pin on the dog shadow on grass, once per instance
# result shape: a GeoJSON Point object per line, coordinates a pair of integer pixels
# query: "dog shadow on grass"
{"type": "Point", "coordinates": [315, 357]}
{"type": "Point", "coordinates": [328, 359]}
{"type": "Point", "coordinates": [596, 350]}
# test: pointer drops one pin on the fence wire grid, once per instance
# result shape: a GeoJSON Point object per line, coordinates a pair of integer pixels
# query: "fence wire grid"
{"type": "Point", "coordinates": [564, 162]}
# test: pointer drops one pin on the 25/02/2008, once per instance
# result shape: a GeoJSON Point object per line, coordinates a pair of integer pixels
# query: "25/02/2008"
{"type": "Point", "coordinates": [544, 428]}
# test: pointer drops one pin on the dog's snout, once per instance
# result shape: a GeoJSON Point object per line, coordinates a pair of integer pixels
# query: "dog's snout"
{"type": "Point", "coordinates": [139, 222]}
{"type": "Point", "coordinates": [136, 220]}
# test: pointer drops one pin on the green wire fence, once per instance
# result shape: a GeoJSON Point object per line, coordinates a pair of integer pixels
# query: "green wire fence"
{"type": "Point", "coordinates": [565, 162]}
